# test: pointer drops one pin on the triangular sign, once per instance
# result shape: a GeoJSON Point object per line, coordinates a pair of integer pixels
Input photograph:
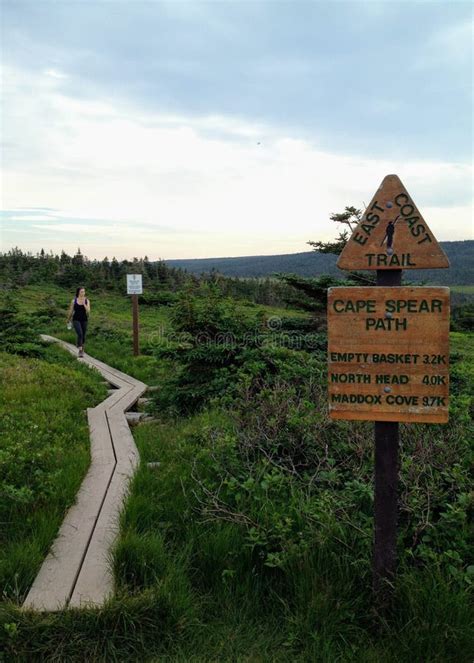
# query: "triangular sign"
{"type": "Point", "coordinates": [392, 234]}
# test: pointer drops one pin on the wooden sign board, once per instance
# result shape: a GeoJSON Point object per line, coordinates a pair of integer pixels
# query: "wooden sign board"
{"type": "Point", "coordinates": [389, 354]}
{"type": "Point", "coordinates": [392, 234]}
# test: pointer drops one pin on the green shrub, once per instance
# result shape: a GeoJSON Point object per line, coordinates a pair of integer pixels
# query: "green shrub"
{"type": "Point", "coordinates": [19, 331]}
{"type": "Point", "coordinates": [158, 298]}
{"type": "Point", "coordinates": [462, 318]}
{"type": "Point", "coordinates": [217, 352]}
{"type": "Point", "coordinates": [293, 479]}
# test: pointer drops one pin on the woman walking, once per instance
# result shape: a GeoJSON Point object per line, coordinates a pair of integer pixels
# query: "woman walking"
{"type": "Point", "coordinates": [79, 310]}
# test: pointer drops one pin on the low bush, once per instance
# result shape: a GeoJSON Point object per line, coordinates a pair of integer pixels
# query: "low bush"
{"type": "Point", "coordinates": [292, 478]}
{"type": "Point", "coordinates": [217, 352]}
{"type": "Point", "coordinates": [19, 331]}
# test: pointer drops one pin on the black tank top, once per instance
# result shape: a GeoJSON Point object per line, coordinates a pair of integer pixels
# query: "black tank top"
{"type": "Point", "coordinates": [80, 312]}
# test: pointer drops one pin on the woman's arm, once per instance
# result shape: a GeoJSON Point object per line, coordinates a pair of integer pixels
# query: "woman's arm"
{"type": "Point", "coordinates": [87, 304]}
{"type": "Point", "coordinates": [70, 310]}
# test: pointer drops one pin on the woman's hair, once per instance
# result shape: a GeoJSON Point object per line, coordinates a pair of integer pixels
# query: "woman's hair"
{"type": "Point", "coordinates": [78, 290]}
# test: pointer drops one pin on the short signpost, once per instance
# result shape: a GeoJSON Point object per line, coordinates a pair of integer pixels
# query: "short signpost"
{"type": "Point", "coordinates": [388, 348]}
{"type": "Point", "coordinates": [135, 288]}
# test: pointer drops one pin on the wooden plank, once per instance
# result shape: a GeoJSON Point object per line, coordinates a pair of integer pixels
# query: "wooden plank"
{"type": "Point", "coordinates": [388, 352]}
{"type": "Point", "coordinates": [119, 396]}
{"type": "Point", "coordinates": [124, 445]}
{"type": "Point", "coordinates": [95, 580]}
{"type": "Point", "coordinates": [77, 569]}
{"type": "Point", "coordinates": [113, 371]}
{"type": "Point", "coordinates": [392, 234]}
{"type": "Point", "coordinates": [116, 381]}
{"type": "Point", "coordinates": [56, 579]}
{"type": "Point", "coordinates": [119, 378]}
{"type": "Point", "coordinates": [129, 398]}
{"type": "Point", "coordinates": [102, 451]}
{"type": "Point", "coordinates": [134, 418]}
{"type": "Point", "coordinates": [114, 376]}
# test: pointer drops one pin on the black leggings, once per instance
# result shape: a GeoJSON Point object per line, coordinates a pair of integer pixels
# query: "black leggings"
{"type": "Point", "coordinates": [81, 327]}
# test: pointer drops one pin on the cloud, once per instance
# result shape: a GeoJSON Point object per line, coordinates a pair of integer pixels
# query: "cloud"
{"type": "Point", "coordinates": [332, 70]}
{"type": "Point", "coordinates": [54, 73]}
{"type": "Point", "coordinates": [132, 182]}
{"type": "Point", "coordinates": [31, 217]}
{"type": "Point", "coordinates": [27, 210]}
{"type": "Point", "coordinates": [449, 46]}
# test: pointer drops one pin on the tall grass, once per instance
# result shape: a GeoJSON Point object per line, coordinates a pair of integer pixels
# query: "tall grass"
{"type": "Point", "coordinates": [43, 458]}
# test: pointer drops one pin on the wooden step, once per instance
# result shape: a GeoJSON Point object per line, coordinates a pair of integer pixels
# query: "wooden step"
{"type": "Point", "coordinates": [134, 418]}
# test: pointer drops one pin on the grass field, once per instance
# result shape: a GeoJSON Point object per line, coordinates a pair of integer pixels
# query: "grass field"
{"type": "Point", "coordinates": [191, 587]}
{"type": "Point", "coordinates": [110, 326]}
{"type": "Point", "coordinates": [43, 458]}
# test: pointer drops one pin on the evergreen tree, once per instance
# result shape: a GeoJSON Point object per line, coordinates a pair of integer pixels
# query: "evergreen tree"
{"type": "Point", "coordinates": [350, 218]}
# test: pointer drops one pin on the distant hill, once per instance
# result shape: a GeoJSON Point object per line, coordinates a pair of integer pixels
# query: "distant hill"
{"type": "Point", "coordinates": [310, 263]}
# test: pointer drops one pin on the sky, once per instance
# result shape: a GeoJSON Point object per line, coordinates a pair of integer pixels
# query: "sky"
{"type": "Point", "coordinates": [182, 129]}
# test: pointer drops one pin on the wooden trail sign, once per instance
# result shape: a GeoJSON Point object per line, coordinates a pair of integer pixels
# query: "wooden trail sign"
{"type": "Point", "coordinates": [388, 349]}
{"type": "Point", "coordinates": [389, 354]}
{"type": "Point", "coordinates": [392, 234]}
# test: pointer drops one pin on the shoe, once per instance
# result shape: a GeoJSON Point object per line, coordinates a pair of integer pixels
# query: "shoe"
{"type": "Point", "coordinates": [81, 353]}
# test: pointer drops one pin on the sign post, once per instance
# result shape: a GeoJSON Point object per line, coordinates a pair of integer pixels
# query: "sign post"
{"type": "Point", "coordinates": [388, 349]}
{"type": "Point", "coordinates": [386, 464]}
{"type": "Point", "coordinates": [135, 288]}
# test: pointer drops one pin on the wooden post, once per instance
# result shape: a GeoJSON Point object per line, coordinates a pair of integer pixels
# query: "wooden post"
{"type": "Point", "coordinates": [136, 350]}
{"type": "Point", "coordinates": [367, 329]}
{"type": "Point", "coordinates": [386, 489]}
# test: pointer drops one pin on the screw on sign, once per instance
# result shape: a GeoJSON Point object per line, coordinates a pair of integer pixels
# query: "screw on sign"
{"type": "Point", "coordinates": [394, 365]}
{"type": "Point", "coordinates": [135, 288]}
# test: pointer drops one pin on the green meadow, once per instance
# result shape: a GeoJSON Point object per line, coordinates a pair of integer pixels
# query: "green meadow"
{"type": "Point", "coordinates": [251, 540]}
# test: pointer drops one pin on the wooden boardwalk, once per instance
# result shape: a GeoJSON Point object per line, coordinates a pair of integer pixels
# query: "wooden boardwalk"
{"type": "Point", "coordinates": [77, 570]}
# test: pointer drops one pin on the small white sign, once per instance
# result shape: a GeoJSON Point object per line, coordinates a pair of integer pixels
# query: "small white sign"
{"type": "Point", "coordinates": [134, 284]}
